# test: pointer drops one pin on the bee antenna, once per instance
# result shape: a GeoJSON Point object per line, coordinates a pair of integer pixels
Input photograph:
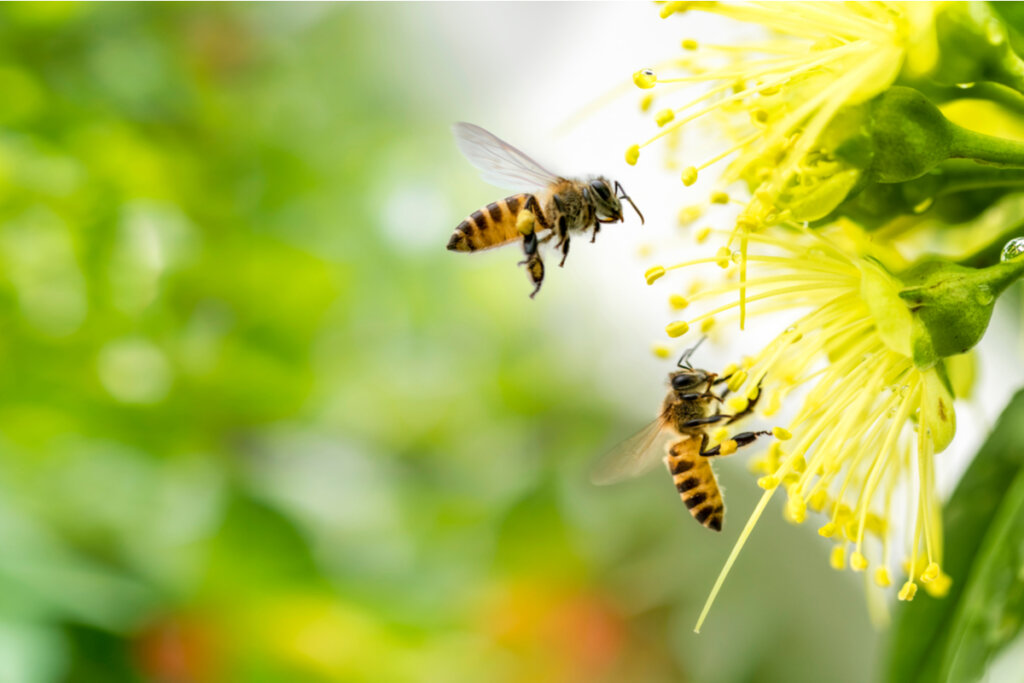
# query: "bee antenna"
{"type": "Point", "coordinates": [618, 188]}
{"type": "Point", "coordinates": [684, 360]}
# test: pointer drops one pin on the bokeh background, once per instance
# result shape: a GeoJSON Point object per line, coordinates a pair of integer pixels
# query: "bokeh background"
{"type": "Point", "coordinates": [256, 424]}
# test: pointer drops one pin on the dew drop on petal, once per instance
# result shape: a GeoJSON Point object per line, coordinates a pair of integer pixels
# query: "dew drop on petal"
{"type": "Point", "coordinates": [1012, 250]}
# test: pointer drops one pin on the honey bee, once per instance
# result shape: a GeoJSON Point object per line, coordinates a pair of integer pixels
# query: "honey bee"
{"type": "Point", "coordinates": [548, 205]}
{"type": "Point", "coordinates": [686, 413]}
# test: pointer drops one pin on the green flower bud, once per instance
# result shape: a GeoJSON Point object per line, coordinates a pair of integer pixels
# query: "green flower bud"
{"type": "Point", "coordinates": [951, 305]}
{"type": "Point", "coordinates": [909, 133]}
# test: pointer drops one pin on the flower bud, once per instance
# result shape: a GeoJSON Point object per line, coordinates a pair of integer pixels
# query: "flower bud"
{"type": "Point", "coordinates": [951, 305]}
{"type": "Point", "coordinates": [910, 135]}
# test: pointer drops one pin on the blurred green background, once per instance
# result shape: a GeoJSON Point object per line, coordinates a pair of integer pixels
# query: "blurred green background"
{"type": "Point", "coordinates": [253, 429]}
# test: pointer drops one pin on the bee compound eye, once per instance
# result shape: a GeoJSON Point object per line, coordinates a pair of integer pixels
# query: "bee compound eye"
{"type": "Point", "coordinates": [601, 188]}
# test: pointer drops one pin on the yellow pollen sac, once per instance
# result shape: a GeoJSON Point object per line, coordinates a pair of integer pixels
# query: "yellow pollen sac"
{"type": "Point", "coordinates": [769, 482]}
{"type": "Point", "coordinates": [677, 328]}
{"type": "Point", "coordinates": [818, 500]}
{"type": "Point", "coordinates": [753, 392]}
{"type": "Point", "coordinates": [781, 434]}
{"type": "Point", "coordinates": [728, 447]}
{"type": "Point", "coordinates": [730, 370]}
{"type": "Point", "coordinates": [671, 8]}
{"type": "Point", "coordinates": [646, 101]}
{"type": "Point", "coordinates": [707, 324]}
{"type": "Point", "coordinates": [689, 44]}
{"type": "Point", "coordinates": [940, 586]}
{"type": "Point", "coordinates": [719, 197]}
{"type": "Point", "coordinates": [678, 301]}
{"type": "Point", "coordinates": [828, 530]}
{"type": "Point", "coordinates": [858, 562]}
{"type": "Point", "coordinates": [723, 257]}
{"type": "Point", "coordinates": [524, 222]}
{"type": "Point", "coordinates": [796, 506]}
{"type": "Point", "coordinates": [737, 404]}
{"type": "Point", "coordinates": [882, 577]}
{"type": "Point", "coordinates": [660, 350]}
{"type": "Point", "coordinates": [759, 116]}
{"type": "Point", "coordinates": [689, 176]}
{"type": "Point", "coordinates": [907, 592]}
{"type": "Point", "coordinates": [664, 116]}
{"type": "Point", "coordinates": [632, 154]}
{"type": "Point", "coordinates": [645, 78]}
{"type": "Point", "coordinates": [703, 234]}
{"type": "Point", "coordinates": [737, 380]}
{"type": "Point", "coordinates": [799, 464]}
{"type": "Point", "coordinates": [654, 273]}
{"type": "Point", "coordinates": [689, 214]}
{"type": "Point", "coordinates": [930, 573]}
{"type": "Point", "coordinates": [838, 558]}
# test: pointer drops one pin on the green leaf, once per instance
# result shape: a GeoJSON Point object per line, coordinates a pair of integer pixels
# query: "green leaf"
{"type": "Point", "coordinates": [952, 639]}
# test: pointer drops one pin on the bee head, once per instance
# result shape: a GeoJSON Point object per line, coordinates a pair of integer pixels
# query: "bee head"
{"type": "Point", "coordinates": [605, 200]}
{"type": "Point", "coordinates": [606, 196]}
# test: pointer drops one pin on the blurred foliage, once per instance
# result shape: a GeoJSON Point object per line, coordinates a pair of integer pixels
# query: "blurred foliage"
{"type": "Point", "coordinates": [250, 432]}
{"type": "Point", "coordinates": [954, 639]}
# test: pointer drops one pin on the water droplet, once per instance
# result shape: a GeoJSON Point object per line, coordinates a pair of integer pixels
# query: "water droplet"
{"type": "Point", "coordinates": [1012, 250]}
{"type": "Point", "coordinates": [965, 86]}
{"type": "Point", "coordinates": [983, 295]}
{"type": "Point", "coordinates": [791, 329]}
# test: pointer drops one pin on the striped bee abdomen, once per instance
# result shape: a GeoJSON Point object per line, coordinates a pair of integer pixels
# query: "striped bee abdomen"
{"type": "Point", "coordinates": [491, 226]}
{"type": "Point", "coordinates": [696, 482]}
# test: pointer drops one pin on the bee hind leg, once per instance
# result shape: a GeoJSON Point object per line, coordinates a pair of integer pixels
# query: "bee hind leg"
{"type": "Point", "coordinates": [534, 264]}
{"type": "Point", "coordinates": [565, 250]}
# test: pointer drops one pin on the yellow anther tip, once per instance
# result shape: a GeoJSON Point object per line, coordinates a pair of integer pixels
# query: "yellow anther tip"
{"type": "Point", "coordinates": [838, 558]}
{"type": "Point", "coordinates": [707, 324]}
{"type": "Point", "coordinates": [769, 482]}
{"type": "Point", "coordinates": [723, 257]}
{"type": "Point", "coordinates": [736, 380]}
{"type": "Point", "coordinates": [818, 500]}
{"type": "Point", "coordinates": [858, 562]}
{"type": "Point", "coordinates": [632, 154]}
{"type": "Point", "coordinates": [678, 301]}
{"type": "Point", "coordinates": [882, 577]}
{"type": "Point", "coordinates": [781, 434]}
{"type": "Point", "coordinates": [908, 591]}
{"type": "Point", "coordinates": [702, 235]}
{"type": "Point", "coordinates": [677, 328]}
{"type": "Point", "coordinates": [930, 573]}
{"type": "Point", "coordinates": [719, 197]}
{"type": "Point", "coordinates": [827, 530]}
{"type": "Point", "coordinates": [654, 273]}
{"type": "Point", "coordinates": [728, 447]}
{"type": "Point", "coordinates": [689, 44]}
{"type": "Point", "coordinates": [664, 116]}
{"type": "Point", "coordinates": [645, 78]}
{"type": "Point", "coordinates": [646, 101]}
{"type": "Point", "coordinates": [689, 176]}
{"type": "Point", "coordinates": [737, 404]}
{"type": "Point", "coordinates": [661, 351]}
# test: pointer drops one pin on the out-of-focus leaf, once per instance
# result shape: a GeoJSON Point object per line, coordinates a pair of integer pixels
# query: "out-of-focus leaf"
{"type": "Point", "coordinates": [951, 639]}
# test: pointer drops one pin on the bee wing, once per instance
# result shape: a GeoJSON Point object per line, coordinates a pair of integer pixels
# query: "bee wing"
{"type": "Point", "coordinates": [500, 163]}
{"type": "Point", "coordinates": [634, 456]}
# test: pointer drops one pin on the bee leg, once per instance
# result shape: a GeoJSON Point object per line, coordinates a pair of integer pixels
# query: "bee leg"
{"type": "Point", "coordinates": [710, 419]}
{"type": "Point", "coordinates": [597, 227]}
{"type": "Point", "coordinates": [565, 250]}
{"type": "Point", "coordinates": [741, 439]}
{"type": "Point", "coordinates": [534, 264]}
{"type": "Point", "coordinates": [750, 407]}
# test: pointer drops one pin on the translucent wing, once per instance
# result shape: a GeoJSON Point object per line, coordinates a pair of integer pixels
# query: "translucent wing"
{"type": "Point", "coordinates": [635, 455]}
{"type": "Point", "coordinates": [500, 163]}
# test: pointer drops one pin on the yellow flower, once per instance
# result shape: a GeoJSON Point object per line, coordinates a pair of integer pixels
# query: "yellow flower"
{"type": "Point", "coordinates": [870, 420]}
{"type": "Point", "coordinates": [777, 99]}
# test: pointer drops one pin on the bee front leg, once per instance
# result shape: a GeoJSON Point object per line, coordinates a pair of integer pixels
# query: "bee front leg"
{"type": "Point", "coordinates": [597, 228]}
{"type": "Point", "coordinates": [741, 440]}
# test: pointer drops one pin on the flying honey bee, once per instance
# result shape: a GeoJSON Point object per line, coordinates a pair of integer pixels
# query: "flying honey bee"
{"type": "Point", "coordinates": [689, 408]}
{"type": "Point", "coordinates": [547, 205]}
